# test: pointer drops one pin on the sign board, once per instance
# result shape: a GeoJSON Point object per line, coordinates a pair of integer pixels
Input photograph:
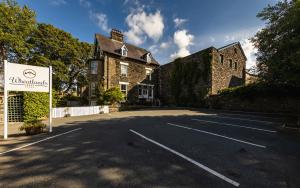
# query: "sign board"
{"type": "Point", "coordinates": [18, 77]}
{"type": "Point", "coordinates": [27, 78]}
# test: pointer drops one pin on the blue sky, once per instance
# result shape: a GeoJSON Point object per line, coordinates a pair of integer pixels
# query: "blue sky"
{"type": "Point", "coordinates": [169, 28]}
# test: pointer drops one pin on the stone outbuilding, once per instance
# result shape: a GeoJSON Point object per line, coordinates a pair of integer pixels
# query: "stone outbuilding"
{"type": "Point", "coordinates": [189, 79]}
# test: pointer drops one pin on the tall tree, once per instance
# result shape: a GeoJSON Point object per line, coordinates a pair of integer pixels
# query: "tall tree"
{"type": "Point", "coordinates": [67, 55]}
{"type": "Point", "coordinates": [279, 44]}
{"type": "Point", "coordinates": [16, 25]}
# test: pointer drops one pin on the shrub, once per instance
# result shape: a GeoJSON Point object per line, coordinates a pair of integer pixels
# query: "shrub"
{"type": "Point", "coordinates": [261, 90]}
{"type": "Point", "coordinates": [36, 105]}
{"type": "Point", "coordinates": [113, 95]}
{"type": "Point", "coordinates": [33, 127]}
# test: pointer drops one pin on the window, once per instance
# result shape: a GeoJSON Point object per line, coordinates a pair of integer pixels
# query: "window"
{"type": "Point", "coordinates": [230, 63]}
{"type": "Point", "coordinates": [235, 50]}
{"type": "Point", "coordinates": [124, 69]}
{"type": "Point", "coordinates": [145, 91]}
{"type": "Point", "coordinates": [235, 65]}
{"type": "Point", "coordinates": [94, 67]}
{"type": "Point", "coordinates": [124, 51]}
{"type": "Point", "coordinates": [123, 88]}
{"type": "Point", "coordinates": [148, 57]}
{"type": "Point", "coordinates": [148, 73]}
{"type": "Point", "coordinates": [221, 58]}
{"type": "Point", "coordinates": [93, 89]}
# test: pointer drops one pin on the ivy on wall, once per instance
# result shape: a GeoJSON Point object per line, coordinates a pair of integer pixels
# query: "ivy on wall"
{"type": "Point", "coordinates": [190, 80]}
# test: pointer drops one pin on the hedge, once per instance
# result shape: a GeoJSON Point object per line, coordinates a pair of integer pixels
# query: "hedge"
{"type": "Point", "coordinates": [36, 105]}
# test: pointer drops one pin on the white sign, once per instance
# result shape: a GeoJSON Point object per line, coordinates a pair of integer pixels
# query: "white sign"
{"type": "Point", "coordinates": [18, 77]}
{"type": "Point", "coordinates": [27, 78]}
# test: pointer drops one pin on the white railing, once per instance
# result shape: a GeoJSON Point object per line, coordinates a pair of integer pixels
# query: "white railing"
{"type": "Point", "coordinates": [79, 111]}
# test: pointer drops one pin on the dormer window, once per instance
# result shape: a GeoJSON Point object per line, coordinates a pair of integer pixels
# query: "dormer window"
{"type": "Point", "coordinates": [148, 58]}
{"type": "Point", "coordinates": [124, 51]}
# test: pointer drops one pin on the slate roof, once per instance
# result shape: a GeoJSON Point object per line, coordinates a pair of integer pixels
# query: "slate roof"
{"type": "Point", "coordinates": [112, 46]}
{"type": "Point", "coordinates": [232, 44]}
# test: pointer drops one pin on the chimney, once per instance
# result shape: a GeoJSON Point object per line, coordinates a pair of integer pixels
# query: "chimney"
{"type": "Point", "coordinates": [116, 35]}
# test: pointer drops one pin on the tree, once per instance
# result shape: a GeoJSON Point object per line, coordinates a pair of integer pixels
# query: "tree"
{"type": "Point", "coordinates": [67, 55]}
{"type": "Point", "coordinates": [279, 44]}
{"type": "Point", "coordinates": [16, 25]}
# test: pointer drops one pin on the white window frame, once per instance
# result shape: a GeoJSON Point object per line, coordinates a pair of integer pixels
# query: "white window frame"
{"type": "Point", "coordinates": [126, 91]}
{"type": "Point", "coordinates": [123, 65]}
{"type": "Point", "coordinates": [148, 57]}
{"type": "Point", "coordinates": [124, 51]}
{"type": "Point", "coordinates": [149, 71]}
{"type": "Point", "coordinates": [93, 93]}
{"type": "Point", "coordinates": [94, 67]}
{"type": "Point", "coordinates": [145, 91]}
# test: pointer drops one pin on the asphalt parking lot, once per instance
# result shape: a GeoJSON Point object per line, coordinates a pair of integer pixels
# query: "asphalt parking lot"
{"type": "Point", "coordinates": [156, 148]}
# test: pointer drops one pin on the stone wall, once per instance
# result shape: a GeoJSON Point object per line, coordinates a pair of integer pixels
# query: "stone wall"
{"type": "Point", "coordinates": [197, 63]}
{"type": "Point", "coordinates": [224, 76]}
{"type": "Point", "coordinates": [110, 68]}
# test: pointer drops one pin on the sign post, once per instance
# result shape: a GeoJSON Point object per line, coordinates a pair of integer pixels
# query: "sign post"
{"type": "Point", "coordinates": [5, 104]}
{"type": "Point", "coordinates": [18, 77]}
{"type": "Point", "coordinates": [50, 99]}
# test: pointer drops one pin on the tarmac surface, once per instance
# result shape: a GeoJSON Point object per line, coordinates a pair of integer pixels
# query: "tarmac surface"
{"type": "Point", "coordinates": [155, 148]}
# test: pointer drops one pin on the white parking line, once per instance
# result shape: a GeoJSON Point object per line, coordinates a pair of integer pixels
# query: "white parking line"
{"type": "Point", "coordinates": [245, 119]}
{"type": "Point", "coordinates": [51, 137]}
{"type": "Point", "coordinates": [234, 125]}
{"type": "Point", "coordinates": [188, 159]}
{"type": "Point", "coordinates": [214, 134]}
{"type": "Point", "coordinates": [247, 115]}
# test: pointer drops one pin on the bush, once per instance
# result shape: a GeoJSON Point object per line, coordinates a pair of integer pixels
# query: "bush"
{"type": "Point", "coordinates": [113, 95]}
{"type": "Point", "coordinates": [33, 127]}
{"type": "Point", "coordinates": [261, 90]}
{"type": "Point", "coordinates": [36, 105]}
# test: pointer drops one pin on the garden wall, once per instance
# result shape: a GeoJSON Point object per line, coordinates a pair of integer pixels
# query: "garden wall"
{"type": "Point", "coordinates": [258, 104]}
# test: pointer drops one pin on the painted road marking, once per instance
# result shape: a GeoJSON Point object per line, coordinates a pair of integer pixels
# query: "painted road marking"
{"type": "Point", "coordinates": [253, 116]}
{"type": "Point", "coordinates": [246, 119]}
{"type": "Point", "coordinates": [51, 137]}
{"type": "Point", "coordinates": [188, 159]}
{"type": "Point", "coordinates": [234, 125]}
{"type": "Point", "coordinates": [214, 134]}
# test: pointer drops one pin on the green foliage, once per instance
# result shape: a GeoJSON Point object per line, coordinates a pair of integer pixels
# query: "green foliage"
{"type": "Point", "coordinates": [25, 41]}
{"type": "Point", "coordinates": [33, 127]}
{"type": "Point", "coordinates": [189, 80]}
{"type": "Point", "coordinates": [16, 25]}
{"type": "Point", "coordinates": [261, 89]}
{"type": "Point", "coordinates": [67, 55]}
{"type": "Point", "coordinates": [113, 96]}
{"type": "Point", "coordinates": [279, 44]}
{"type": "Point", "coordinates": [36, 105]}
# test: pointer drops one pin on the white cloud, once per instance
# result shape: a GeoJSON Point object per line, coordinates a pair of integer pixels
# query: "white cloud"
{"type": "Point", "coordinates": [250, 51]}
{"type": "Point", "coordinates": [101, 20]}
{"type": "Point", "coordinates": [212, 39]}
{"type": "Point", "coordinates": [165, 45]}
{"type": "Point", "coordinates": [179, 21]}
{"type": "Point", "coordinates": [183, 40]}
{"type": "Point", "coordinates": [153, 49]}
{"type": "Point", "coordinates": [58, 2]}
{"type": "Point", "coordinates": [142, 25]}
{"type": "Point", "coordinates": [85, 3]}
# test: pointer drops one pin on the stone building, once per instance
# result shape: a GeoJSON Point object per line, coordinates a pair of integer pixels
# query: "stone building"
{"type": "Point", "coordinates": [119, 64]}
{"type": "Point", "coordinates": [189, 79]}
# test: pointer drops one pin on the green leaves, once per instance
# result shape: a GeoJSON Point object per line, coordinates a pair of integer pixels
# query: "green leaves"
{"type": "Point", "coordinates": [16, 25]}
{"type": "Point", "coordinates": [279, 44]}
{"type": "Point", "coordinates": [113, 95]}
{"type": "Point", "coordinates": [23, 40]}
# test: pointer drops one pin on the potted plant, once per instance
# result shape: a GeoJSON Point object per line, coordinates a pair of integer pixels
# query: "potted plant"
{"type": "Point", "coordinates": [33, 127]}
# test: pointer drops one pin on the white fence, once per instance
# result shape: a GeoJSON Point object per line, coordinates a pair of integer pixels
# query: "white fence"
{"type": "Point", "coordinates": [79, 111]}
